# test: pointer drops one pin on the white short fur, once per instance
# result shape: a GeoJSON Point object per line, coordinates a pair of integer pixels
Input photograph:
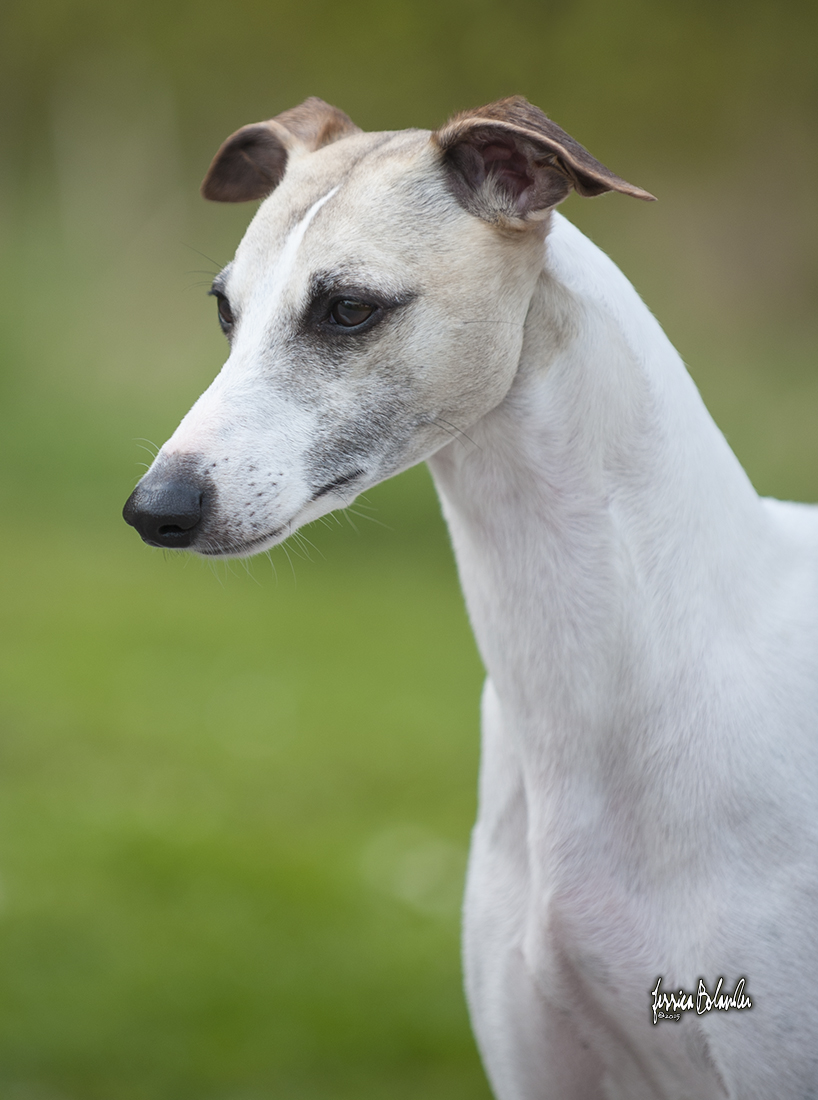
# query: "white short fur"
{"type": "Point", "coordinates": [649, 776]}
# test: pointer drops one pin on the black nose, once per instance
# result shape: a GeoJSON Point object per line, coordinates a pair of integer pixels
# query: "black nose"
{"type": "Point", "coordinates": [166, 511]}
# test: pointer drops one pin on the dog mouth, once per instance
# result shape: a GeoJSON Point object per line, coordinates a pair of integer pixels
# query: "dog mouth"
{"type": "Point", "coordinates": [247, 548]}
{"type": "Point", "coordinates": [255, 545]}
{"type": "Point", "coordinates": [338, 483]}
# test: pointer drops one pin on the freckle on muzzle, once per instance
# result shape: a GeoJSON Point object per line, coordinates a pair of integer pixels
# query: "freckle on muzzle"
{"type": "Point", "coordinates": [170, 504]}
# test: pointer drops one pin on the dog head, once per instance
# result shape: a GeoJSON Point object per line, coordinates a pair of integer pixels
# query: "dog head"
{"type": "Point", "coordinates": [375, 306]}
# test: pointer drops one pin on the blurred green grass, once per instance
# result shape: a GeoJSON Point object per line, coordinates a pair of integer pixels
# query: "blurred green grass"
{"type": "Point", "coordinates": [235, 803]}
{"type": "Point", "coordinates": [195, 764]}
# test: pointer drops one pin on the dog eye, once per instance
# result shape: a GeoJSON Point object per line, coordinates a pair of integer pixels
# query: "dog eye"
{"type": "Point", "coordinates": [226, 318]}
{"type": "Point", "coordinates": [225, 312]}
{"type": "Point", "coordinates": [350, 313]}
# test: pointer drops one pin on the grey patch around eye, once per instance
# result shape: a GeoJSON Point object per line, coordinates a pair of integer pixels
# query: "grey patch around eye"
{"type": "Point", "coordinates": [327, 287]}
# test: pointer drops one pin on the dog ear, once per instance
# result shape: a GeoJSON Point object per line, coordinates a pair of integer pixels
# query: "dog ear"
{"type": "Point", "coordinates": [251, 163]}
{"type": "Point", "coordinates": [510, 164]}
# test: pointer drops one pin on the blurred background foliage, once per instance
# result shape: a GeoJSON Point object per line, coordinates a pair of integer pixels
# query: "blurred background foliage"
{"type": "Point", "coordinates": [235, 803]}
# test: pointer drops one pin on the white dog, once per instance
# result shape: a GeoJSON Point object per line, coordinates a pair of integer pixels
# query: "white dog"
{"type": "Point", "coordinates": [649, 779]}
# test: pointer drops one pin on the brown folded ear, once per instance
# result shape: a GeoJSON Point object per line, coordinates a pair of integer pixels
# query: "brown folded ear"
{"type": "Point", "coordinates": [251, 163]}
{"type": "Point", "coordinates": [510, 164]}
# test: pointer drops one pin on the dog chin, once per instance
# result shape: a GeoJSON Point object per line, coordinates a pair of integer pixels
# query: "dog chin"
{"type": "Point", "coordinates": [215, 545]}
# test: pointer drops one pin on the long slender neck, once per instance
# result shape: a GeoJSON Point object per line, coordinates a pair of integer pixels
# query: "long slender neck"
{"type": "Point", "coordinates": [601, 524]}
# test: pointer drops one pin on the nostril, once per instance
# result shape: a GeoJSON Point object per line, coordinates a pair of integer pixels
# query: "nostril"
{"type": "Point", "coordinates": [182, 519]}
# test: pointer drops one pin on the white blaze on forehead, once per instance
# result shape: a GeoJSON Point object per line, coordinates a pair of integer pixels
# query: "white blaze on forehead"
{"type": "Point", "coordinates": [196, 431]}
{"type": "Point", "coordinates": [280, 273]}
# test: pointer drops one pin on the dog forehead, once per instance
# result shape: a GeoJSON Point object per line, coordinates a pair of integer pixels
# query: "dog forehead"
{"type": "Point", "coordinates": [363, 193]}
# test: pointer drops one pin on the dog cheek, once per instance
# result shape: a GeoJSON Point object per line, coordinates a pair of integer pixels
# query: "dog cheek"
{"type": "Point", "coordinates": [355, 436]}
{"type": "Point", "coordinates": [475, 365]}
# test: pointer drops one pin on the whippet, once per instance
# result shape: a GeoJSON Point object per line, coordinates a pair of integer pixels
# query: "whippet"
{"type": "Point", "coordinates": [649, 781]}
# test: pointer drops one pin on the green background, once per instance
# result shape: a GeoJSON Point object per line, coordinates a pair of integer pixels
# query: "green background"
{"type": "Point", "coordinates": [235, 800]}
